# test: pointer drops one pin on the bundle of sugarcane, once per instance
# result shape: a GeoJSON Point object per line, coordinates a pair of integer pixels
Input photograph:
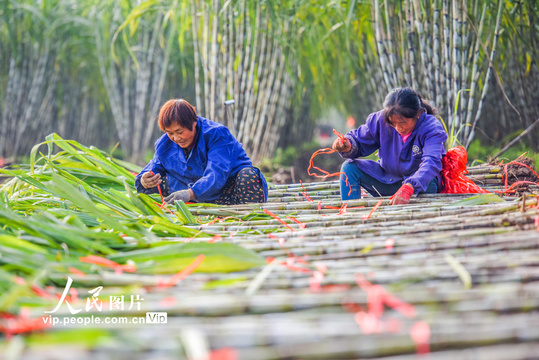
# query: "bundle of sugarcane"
{"type": "Point", "coordinates": [450, 257]}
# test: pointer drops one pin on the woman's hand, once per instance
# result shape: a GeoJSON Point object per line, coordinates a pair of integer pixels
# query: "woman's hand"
{"type": "Point", "coordinates": [183, 195]}
{"type": "Point", "coordinates": [403, 195]}
{"type": "Point", "coordinates": [149, 180]}
{"type": "Point", "coordinates": [342, 146]}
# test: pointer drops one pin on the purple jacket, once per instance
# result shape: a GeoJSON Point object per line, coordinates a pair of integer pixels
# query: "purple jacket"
{"type": "Point", "coordinates": [417, 161]}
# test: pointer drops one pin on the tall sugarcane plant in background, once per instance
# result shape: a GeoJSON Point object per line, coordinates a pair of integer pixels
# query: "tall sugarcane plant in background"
{"type": "Point", "coordinates": [47, 76]}
{"type": "Point", "coordinates": [512, 103]}
{"type": "Point", "coordinates": [32, 74]}
{"type": "Point", "coordinates": [97, 71]}
{"type": "Point", "coordinates": [134, 42]}
{"type": "Point", "coordinates": [445, 49]}
{"type": "Point", "coordinates": [238, 55]}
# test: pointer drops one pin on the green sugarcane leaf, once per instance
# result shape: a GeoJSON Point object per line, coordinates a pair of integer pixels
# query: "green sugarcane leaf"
{"type": "Point", "coordinates": [136, 201]}
{"type": "Point", "coordinates": [151, 204]}
{"type": "Point", "coordinates": [85, 337]}
{"type": "Point", "coordinates": [219, 257]}
{"type": "Point", "coordinates": [184, 214]}
{"type": "Point", "coordinates": [65, 190]}
{"type": "Point", "coordinates": [164, 224]}
{"type": "Point", "coordinates": [20, 244]}
{"type": "Point", "coordinates": [9, 298]}
{"type": "Point", "coordinates": [478, 200]}
{"type": "Point", "coordinates": [223, 283]}
{"type": "Point", "coordinates": [117, 201]}
{"type": "Point", "coordinates": [461, 271]}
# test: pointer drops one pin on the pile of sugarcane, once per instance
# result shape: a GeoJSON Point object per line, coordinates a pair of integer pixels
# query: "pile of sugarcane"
{"type": "Point", "coordinates": [305, 275]}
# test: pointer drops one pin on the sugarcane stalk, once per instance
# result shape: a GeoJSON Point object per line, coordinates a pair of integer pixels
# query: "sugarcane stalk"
{"type": "Point", "coordinates": [447, 61]}
{"type": "Point", "coordinates": [247, 53]}
{"type": "Point", "coordinates": [274, 125]}
{"type": "Point", "coordinates": [423, 49]}
{"type": "Point", "coordinates": [267, 121]}
{"type": "Point", "coordinates": [250, 100]}
{"type": "Point", "coordinates": [475, 74]}
{"type": "Point", "coordinates": [389, 45]}
{"type": "Point", "coordinates": [379, 45]}
{"type": "Point", "coordinates": [196, 54]}
{"type": "Point", "coordinates": [410, 37]}
{"type": "Point", "coordinates": [489, 70]}
{"type": "Point", "coordinates": [436, 54]}
{"type": "Point", "coordinates": [160, 68]}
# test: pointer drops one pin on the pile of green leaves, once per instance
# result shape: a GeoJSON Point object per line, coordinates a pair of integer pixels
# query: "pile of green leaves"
{"type": "Point", "coordinates": [80, 201]}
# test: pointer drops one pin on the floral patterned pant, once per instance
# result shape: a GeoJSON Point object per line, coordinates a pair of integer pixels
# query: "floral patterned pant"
{"type": "Point", "coordinates": [245, 187]}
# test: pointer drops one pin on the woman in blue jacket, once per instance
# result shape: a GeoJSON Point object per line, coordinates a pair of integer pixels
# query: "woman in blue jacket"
{"type": "Point", "coordinates": [410, 144]}
{"type": "Point", "coordinates": [199, 160]}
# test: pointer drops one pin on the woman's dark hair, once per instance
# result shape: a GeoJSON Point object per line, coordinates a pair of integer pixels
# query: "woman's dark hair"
{"type": "Point", "coordinates": [177, 111]}
{"type": "Point", "coordinates": [405, 102]}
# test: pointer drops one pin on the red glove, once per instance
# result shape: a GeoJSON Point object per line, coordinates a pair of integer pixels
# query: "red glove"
{"type": "Point", "coordinates": [403, 195]}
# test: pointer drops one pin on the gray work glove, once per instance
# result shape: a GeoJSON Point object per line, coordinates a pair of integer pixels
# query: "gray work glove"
{"type": "Point", "coordinates": [182, 195]}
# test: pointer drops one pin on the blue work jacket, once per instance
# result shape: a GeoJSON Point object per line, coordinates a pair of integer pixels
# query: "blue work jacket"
{"type": "Point", "coordinates": [417, 161]}
{"type": "Point", "coordinates": [215, 157]}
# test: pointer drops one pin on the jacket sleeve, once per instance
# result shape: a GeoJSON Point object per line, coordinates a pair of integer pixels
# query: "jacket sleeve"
{"type": "Point", "coordinates": [431, 162]}
{"type": "Point", "coordinates": [364, 140]}
{"type": "Point", "coordinates": [156, 167]}
{"type": "Point", "coordinates": [221, 154]}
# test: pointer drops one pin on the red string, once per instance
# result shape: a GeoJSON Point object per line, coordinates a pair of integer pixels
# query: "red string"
{"type": "Point", "coordinates": [521, 164]}
{"type": "Point", "coordinates": [511, 190]}
{"type": "Point", "coordinates": [342, 209]}
{"type": "Point", "coordinates": [365, 217]}
{"type": "Point", "coordinates": [160, 193]}
{"type": "Point", "coordinates": [327, 174]}
{"type": "Point", "coordinates": [341, 136]}
{"type": "Point", "coordinates": [453, 170]}
{"type": "Point", "coordinates": [176, 278]}
{"type": "Point", "coordinates": [301, 224]}
{"type": "Point", "coordinates": [277, 218]}
{"type": "Point", "coordinates": [305, 192]}
{"type": "Point", "coordinates": [505, 176]}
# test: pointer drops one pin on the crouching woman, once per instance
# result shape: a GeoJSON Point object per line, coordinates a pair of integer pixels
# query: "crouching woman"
{"type": "Point", "coordinates": [199, 160]}
{"type": "Point", "coordinates": [410, 144]}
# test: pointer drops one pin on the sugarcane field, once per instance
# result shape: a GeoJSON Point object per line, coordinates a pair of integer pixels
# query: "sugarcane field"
{"type": "Point", "coordinates": [250, 180]}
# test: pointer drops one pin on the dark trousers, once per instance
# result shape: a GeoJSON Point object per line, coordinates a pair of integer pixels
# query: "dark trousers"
{"type": "Point", "coordinates": [358, 179]}
{"type": "Point", "coordinates": [245, 187]}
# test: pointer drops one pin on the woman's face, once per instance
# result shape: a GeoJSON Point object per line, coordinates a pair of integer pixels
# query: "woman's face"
{"type": "Point", "coordinates": [182, 136]}
{"type": "Point", "coordinates": [404, 126]}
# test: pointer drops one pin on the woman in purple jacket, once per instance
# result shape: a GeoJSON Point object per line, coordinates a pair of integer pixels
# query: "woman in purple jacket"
{"type": "Point", "coordinates": [410, 144]}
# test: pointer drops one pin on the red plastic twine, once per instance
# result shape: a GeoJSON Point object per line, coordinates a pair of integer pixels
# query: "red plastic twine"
{"type": "Point", "coordinates": [366, 217]}
{"type": "Point", "coordinates": [341, 136]}
{"type": "Point", "coordinates": [505, 176]}
{"type": "Point", "coordinates": [307, 197]}
{"type": "Point", "coordinates": [327, 174]}
{"type": "Point", "coordinates": [98, 260]}
{"type": "Point", "coordinates": [453, 170]}
{"type": "Point", "coordinates": [176, 278]}
{"type": "Point", "coordinates": [277, 218]}
{"type": "Point", "coordinates": [159, 188]}
{"type": "Point", "coordinates": [371, 321]}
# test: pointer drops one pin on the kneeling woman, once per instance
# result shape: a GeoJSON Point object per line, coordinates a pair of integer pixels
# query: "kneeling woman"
{"type": "Point", "coordinates": [410, 144]}
{"type": "Point", "coordinates": [199, 160]}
